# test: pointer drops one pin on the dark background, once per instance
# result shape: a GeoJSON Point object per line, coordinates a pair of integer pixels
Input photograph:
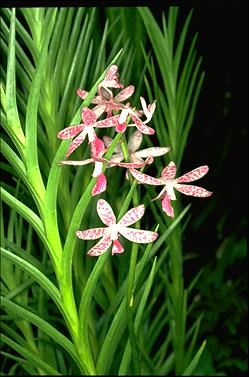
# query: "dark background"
{"type": "Point", "coordinates": [217, 231]}
{"type": "Point", "coordinates": [218, 137]}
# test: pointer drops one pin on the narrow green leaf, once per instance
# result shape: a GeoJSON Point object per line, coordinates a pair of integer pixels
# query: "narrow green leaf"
{"type": "Point", "coordinates": [31, 217]}
{"type": "Point", "coordinates": [38, 276]}
{"type": "Point", "coordinates": [11, 307]}
{"type": "Point", "coordinates": [11, 105]}
{"type": "Point", "coordinates": [180, 45]}
{"type": "Point", "coordinates": [33, 169]}
{"type": "Point", "coordinates": [35, 360]}
{"type": "Point", "coordinates": [195, 330]}
{"type": "Point", "coordinates": [192, 366]}
{"type": "Point", "coordinates": [123, 370]}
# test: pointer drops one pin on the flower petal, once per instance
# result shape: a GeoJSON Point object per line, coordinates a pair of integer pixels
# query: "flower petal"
{"type": "Point", "coordinates": [144, 178]}
{"type": "Point", "coordinates": [108, 122]}
{"type": "Point", "coordinates": [91, 234]}
{"type": "Point", "coordinates": [108, 141]}
{"type": "Point", "coordinates": [105, 212]}
{"type": "Point", "coordinates": [118, 157]}
{"type": "Point", "coordinates": [100, 248]}
{"type": "Point", "coordinates": [124, 94]}
{"type": "Point", "coordinates": [169, 172]}
{"type": "Point", "coordinates": [99, 110]}
{"type": "Point", "coordinates": [193, 175]}
{"type": "Point", "coordinates": [105, 93]}
{"type": "Point", "coordinates": [138, 235]}
{"type": "Point", "coordinates": [141, 126]}
{"type": "Point", "coordinates": [76, 162]}
{"type": "Point", "coordinates": [76, 143]}
{"type": "Point", "coordinates": [166, 206]}
{"type": "Point", "coordinates": [117, 248]}
{"type": "Point", "coordinates": [133, 215]}
{"type": "Point", "coordinates": [128, 165]}
{"type": "Point", "coordinates": [98, 165]}
{"type": "Point", "coordinates": [111, 78]}
{"type": "Point", "coordinates": [70, 132]}
{"type": "Point", "coordinates": [193, 190]}
{"type": "Point", "coordinates": [148, 111]}
{"type": "Point", "coordinates": [152, 152]}
{"type": "Point", "coordinates": [82, 93]}
{"type": "Point", "coordinates": [123, 115]}
{"type": "Point", "coordinates": [97, 146]}
{"type": "Point", "coordinates": [135, 141]}
{"type": "Point", "coordinates": [121, 127]}
{"type": "Point", "coordinates": [100, 185]}
{"type": "Point", "coordinates": [88, 116]}
{"type": "Point", "coordinates": [138, 160]}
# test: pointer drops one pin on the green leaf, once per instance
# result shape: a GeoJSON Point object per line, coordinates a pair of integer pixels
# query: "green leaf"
{"type": "Point", "coordinates": [13, 121]}
{"type": "Point", "coordinates": [31, 217]}
{"type": "Point", "coordinates": [123, 370]}
{"type": "Point", "coordinates": [11, 307]}
{"type": "Point", "coordinates": [38, 276]}
{"type": "Point", "coordinates": [35, 360]}
{"type": "Point", "coordinates": [191, 368]}
{"type": "Point", "coordinates": [33, 169]}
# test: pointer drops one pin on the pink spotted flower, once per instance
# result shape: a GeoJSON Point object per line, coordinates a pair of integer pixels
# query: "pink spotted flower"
{"type": "Point", "coordinates": [133, 145]}
{"type": "Point", "coordinates": [105, 101]}
{"type": "Point", "coordinates": [148, 111]}
{"type": "Point", "coordinates": [97, 151]}
{"type": "Point", "coordinates": [168, 180]}
{"type": "Point", "coordinates": [86, 128]}
{"type": "Point", "coordinates": [110, 234]}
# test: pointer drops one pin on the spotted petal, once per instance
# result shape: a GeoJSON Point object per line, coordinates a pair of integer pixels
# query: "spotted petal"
{"type": "Point", "coordinates": [100, 185]}
{"type": "Point", "coordinates": [82, 93]}
{"type": "Point", "coordinates": [135, 141]}
{"type": "Point", "coordinates": [105, 212]}
{"type": "Point", "coordinates": [132, 215]}
{"type": "Point", "coordinates": [97, 146]}
{"type": "Point", "coordinates": [193, 190]}
{"type": "Point", "coordinates": [108, 122]}
{"type": "Point", "coordinates": [91, 234]}
{"type": "Point", "coordinates": [70, 132]}
{"type": "Point", "coordinates": [193, 175]}
{"type": "Point", "coordinates": [153, 151]}
{"type": "Point", "coordinates": [100, 248]}
{"type": "Point", "coordinates": [111, 78]}
{"type": "Point", "coordinates": [117, 248]}
{"type": "Point", "coordinates": [138, 235]}
{"type": "Point", "coordinates": [141, 126]}
{"type": "Point", "coordinates": [88, 116]}
{"type": "Point", "coordinates": [124, 94]}
{"type": "Point", "coordinates": [76, 143]}
{"type": "Point", "coordinates": [128, 165]}
{"type": "Point", "coordinates": [169, 172]}
{"type": "Point", "coordinates": [144, 178]}
{"type": "Point", "coordinates": [166, 206]}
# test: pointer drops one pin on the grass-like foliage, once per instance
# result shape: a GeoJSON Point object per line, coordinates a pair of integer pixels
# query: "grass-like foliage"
{"type": "Point", "coordinates": [65, 312]}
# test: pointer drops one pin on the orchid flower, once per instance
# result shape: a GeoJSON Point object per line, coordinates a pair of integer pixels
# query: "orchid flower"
{"type": "Point", "coordinates": [106, 102]}
{"type": "Point", "coordinates": [148, 111]}
{"type": "Point", "coordinates": [97, 151]}
{"type": "Point", "coordinates": [89, 119]}
{"type": "Point", "coordinates": [111, 233]}
{"type": "Point", "coordinates": [134, 143]}
{"type": "Point", "coordinates": [168, 180]}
